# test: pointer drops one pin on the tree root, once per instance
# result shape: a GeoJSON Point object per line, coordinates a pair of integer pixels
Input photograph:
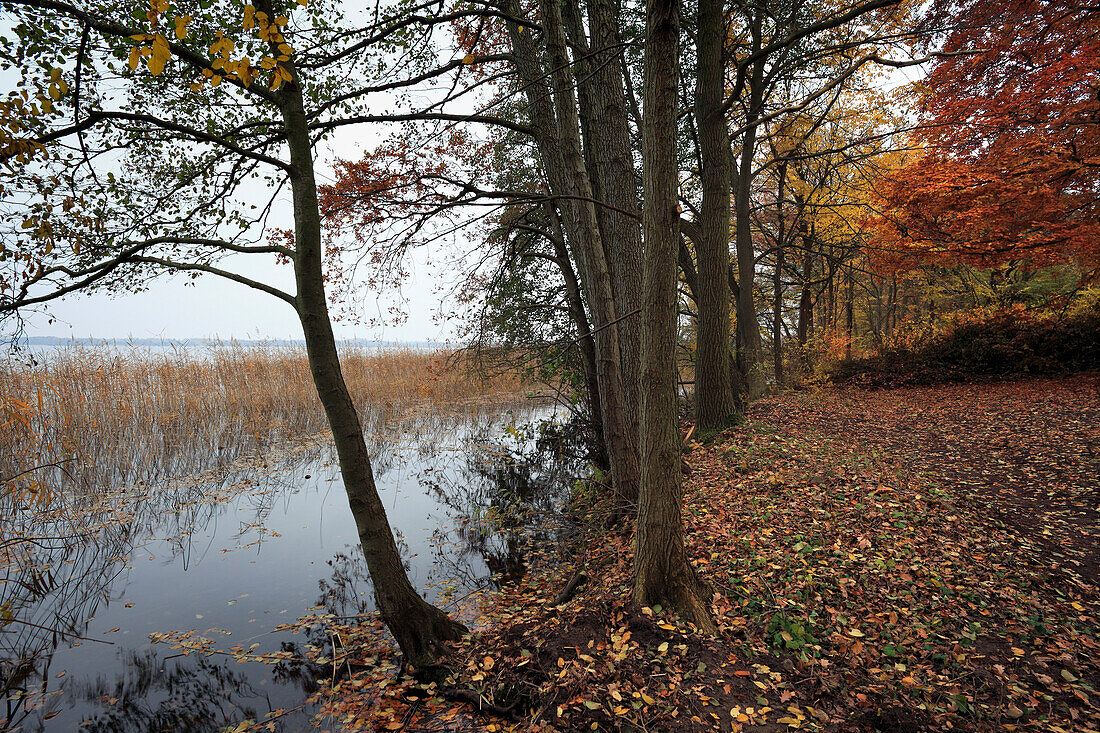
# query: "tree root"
{"type": "Point", "coordinates": [570, 590]}
{"type": "Point", "coordinates": [478, 702]}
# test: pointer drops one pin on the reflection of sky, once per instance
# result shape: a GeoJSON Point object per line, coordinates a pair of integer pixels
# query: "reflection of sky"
{"type": "Point", "coordinates": [228, 574]}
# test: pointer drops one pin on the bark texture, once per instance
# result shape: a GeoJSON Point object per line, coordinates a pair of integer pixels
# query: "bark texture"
{"type": "Point", "coordinates": [714, 404]}
{"type": "Point", "coordinates": [618, 188]}
{"type": "Point", "coordinates": [555, 121]}
{"type": "Point", "coordinates": [777, 279]}
{"type": "Point", "coordinates": [748, 327]}
{"type": "Point", "coordinates": [661, 571]}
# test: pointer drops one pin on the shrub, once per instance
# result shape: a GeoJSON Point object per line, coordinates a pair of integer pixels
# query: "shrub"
{"type": "Point", "coordinates": [1006, 343]}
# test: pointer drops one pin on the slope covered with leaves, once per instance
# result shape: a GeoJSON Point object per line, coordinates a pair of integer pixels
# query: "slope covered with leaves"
{"type": "Point", "coordinates": [863, 579]}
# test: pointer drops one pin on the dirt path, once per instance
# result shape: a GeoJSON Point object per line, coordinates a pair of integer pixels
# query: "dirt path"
{"type": "Point", "coordinates": [1026, 453]}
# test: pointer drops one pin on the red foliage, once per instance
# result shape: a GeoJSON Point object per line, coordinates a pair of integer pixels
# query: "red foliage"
{"type": "Point", "coordinates": [1011, 165]}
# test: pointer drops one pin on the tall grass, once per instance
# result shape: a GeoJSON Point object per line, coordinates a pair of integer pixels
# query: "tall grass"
{"type": "Point", "coordinates": [105, 416]}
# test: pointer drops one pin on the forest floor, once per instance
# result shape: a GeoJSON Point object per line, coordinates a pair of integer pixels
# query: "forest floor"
{"type": "Point", "coordinates": [896, 560]}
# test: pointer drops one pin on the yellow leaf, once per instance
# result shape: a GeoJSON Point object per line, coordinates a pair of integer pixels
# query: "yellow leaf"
{"type": "Point", "coordinates": [648, 700]}
{"type": "Point", "coordinates": [159, 56]}
{"type": "Point", "coordinates": [855, 632]}
{"type": "Point", "coordinates": [469, 58]}
{"type": "Point", "coordinates": [181, 26]}
{"type": "Point", "coordinates": [281, 20]}
{"type": "Point", "coordinates": [249, 17]}
{"type": "Point", "coordinates": [135, 58]}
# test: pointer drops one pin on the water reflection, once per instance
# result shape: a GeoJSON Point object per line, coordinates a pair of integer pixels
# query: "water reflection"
{"type": "Point", "coordinates": [233, 554]}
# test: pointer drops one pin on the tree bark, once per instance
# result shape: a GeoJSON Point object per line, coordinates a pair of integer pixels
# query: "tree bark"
{"type": "Point", "coordinates": [748, 326]}
{"type": "Point", "coordinates": [620, 233]}
{"type": "Point", "coordinates": [849, 315]}
{"type": "Point", "coordinates": [585, 342]}
{"type": "Point", "coordinates": [557, 130]}
{"type": "Point", "coordinates": [661, 571]}
{"type": "Point", "coordinates": [777, 279]}
{"type": "Point", "coordinates": [714, 404]}
{"type": "Point", "coordinates": [805, 298]}
{"type": "Point", "coordinates": [420, 628]}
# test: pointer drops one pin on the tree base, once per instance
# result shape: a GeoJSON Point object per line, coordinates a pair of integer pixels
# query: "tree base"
{"type": "Point", "coordinates": [687, 594]}
{"type": "Point", "coordinates": [422, 632]}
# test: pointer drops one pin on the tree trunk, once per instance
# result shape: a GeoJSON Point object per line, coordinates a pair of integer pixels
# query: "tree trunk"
{"type": "Point", "coordinates": [777, 280]}
{"type": "Point", "coordinates": [419, 627]}
{"type": "Point", "coordinates": [661, 571]}
{"type": "Point", "coordinates": [714, 404]}
{"type": "Point", "coordinates": [585, 342]}
{"type": "Point", "coordinates": [609, 161]}
{"type": "Point", "coordinates": [805, 298]}
{"type": "Point", "coordinates": [747, 324]}
{"type": "Point", "coordinates": [571, 179]}
{"type": "Point", "coordinates": [849, 315]}
{"type": "Point", "coordinates": [621, 234]}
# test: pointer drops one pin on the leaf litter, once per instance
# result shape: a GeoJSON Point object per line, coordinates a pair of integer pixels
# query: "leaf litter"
{"type": "Point", "coordinates": [874, 567]}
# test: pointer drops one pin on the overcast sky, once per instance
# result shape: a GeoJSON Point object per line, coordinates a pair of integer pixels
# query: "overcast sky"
{"type": "Point", "coordinates": [177, 307]}
{"type": "Point", "coordinates": [174, 307]}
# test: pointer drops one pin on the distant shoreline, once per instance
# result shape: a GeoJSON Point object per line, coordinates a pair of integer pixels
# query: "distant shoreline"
{"type": "Point", "coordinates": [214, 342]}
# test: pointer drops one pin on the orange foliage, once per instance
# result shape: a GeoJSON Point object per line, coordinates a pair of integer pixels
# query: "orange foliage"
{"type": "Point", "coordinates": [1011, 136]}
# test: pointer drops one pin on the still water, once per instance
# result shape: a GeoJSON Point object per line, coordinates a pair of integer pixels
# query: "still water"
{"type": "Point", "coordinates": [233, 555]}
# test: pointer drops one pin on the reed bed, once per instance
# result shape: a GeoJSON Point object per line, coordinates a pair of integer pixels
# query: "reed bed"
{"type": "Point", "coordinates": [99, 417]}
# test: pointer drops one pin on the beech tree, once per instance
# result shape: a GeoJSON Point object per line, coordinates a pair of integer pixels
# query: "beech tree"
{"type": "Point", "coordinates": [1009, 140]}
{"type": "Point", "coordinates": [135, 141]}
{"type": "Point", "coordinates": [821, 47]}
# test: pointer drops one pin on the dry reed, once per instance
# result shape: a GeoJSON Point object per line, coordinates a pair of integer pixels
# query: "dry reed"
{"type": "Point", "coordinates": [105, 416]}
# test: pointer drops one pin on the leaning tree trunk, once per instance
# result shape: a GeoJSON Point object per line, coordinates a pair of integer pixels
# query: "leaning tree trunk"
{"type": "Point", "coordinates": [714, 404]}
{"type": "Point", "coordinates": [661, 571]}
{"type": "Point", "coordinates": [419, 627]}
{"type": "Point", "coordinates": [585, 343]}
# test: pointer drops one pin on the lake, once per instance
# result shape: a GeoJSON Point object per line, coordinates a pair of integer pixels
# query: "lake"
{"type": "Point", "coordinates": [231, 554]}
